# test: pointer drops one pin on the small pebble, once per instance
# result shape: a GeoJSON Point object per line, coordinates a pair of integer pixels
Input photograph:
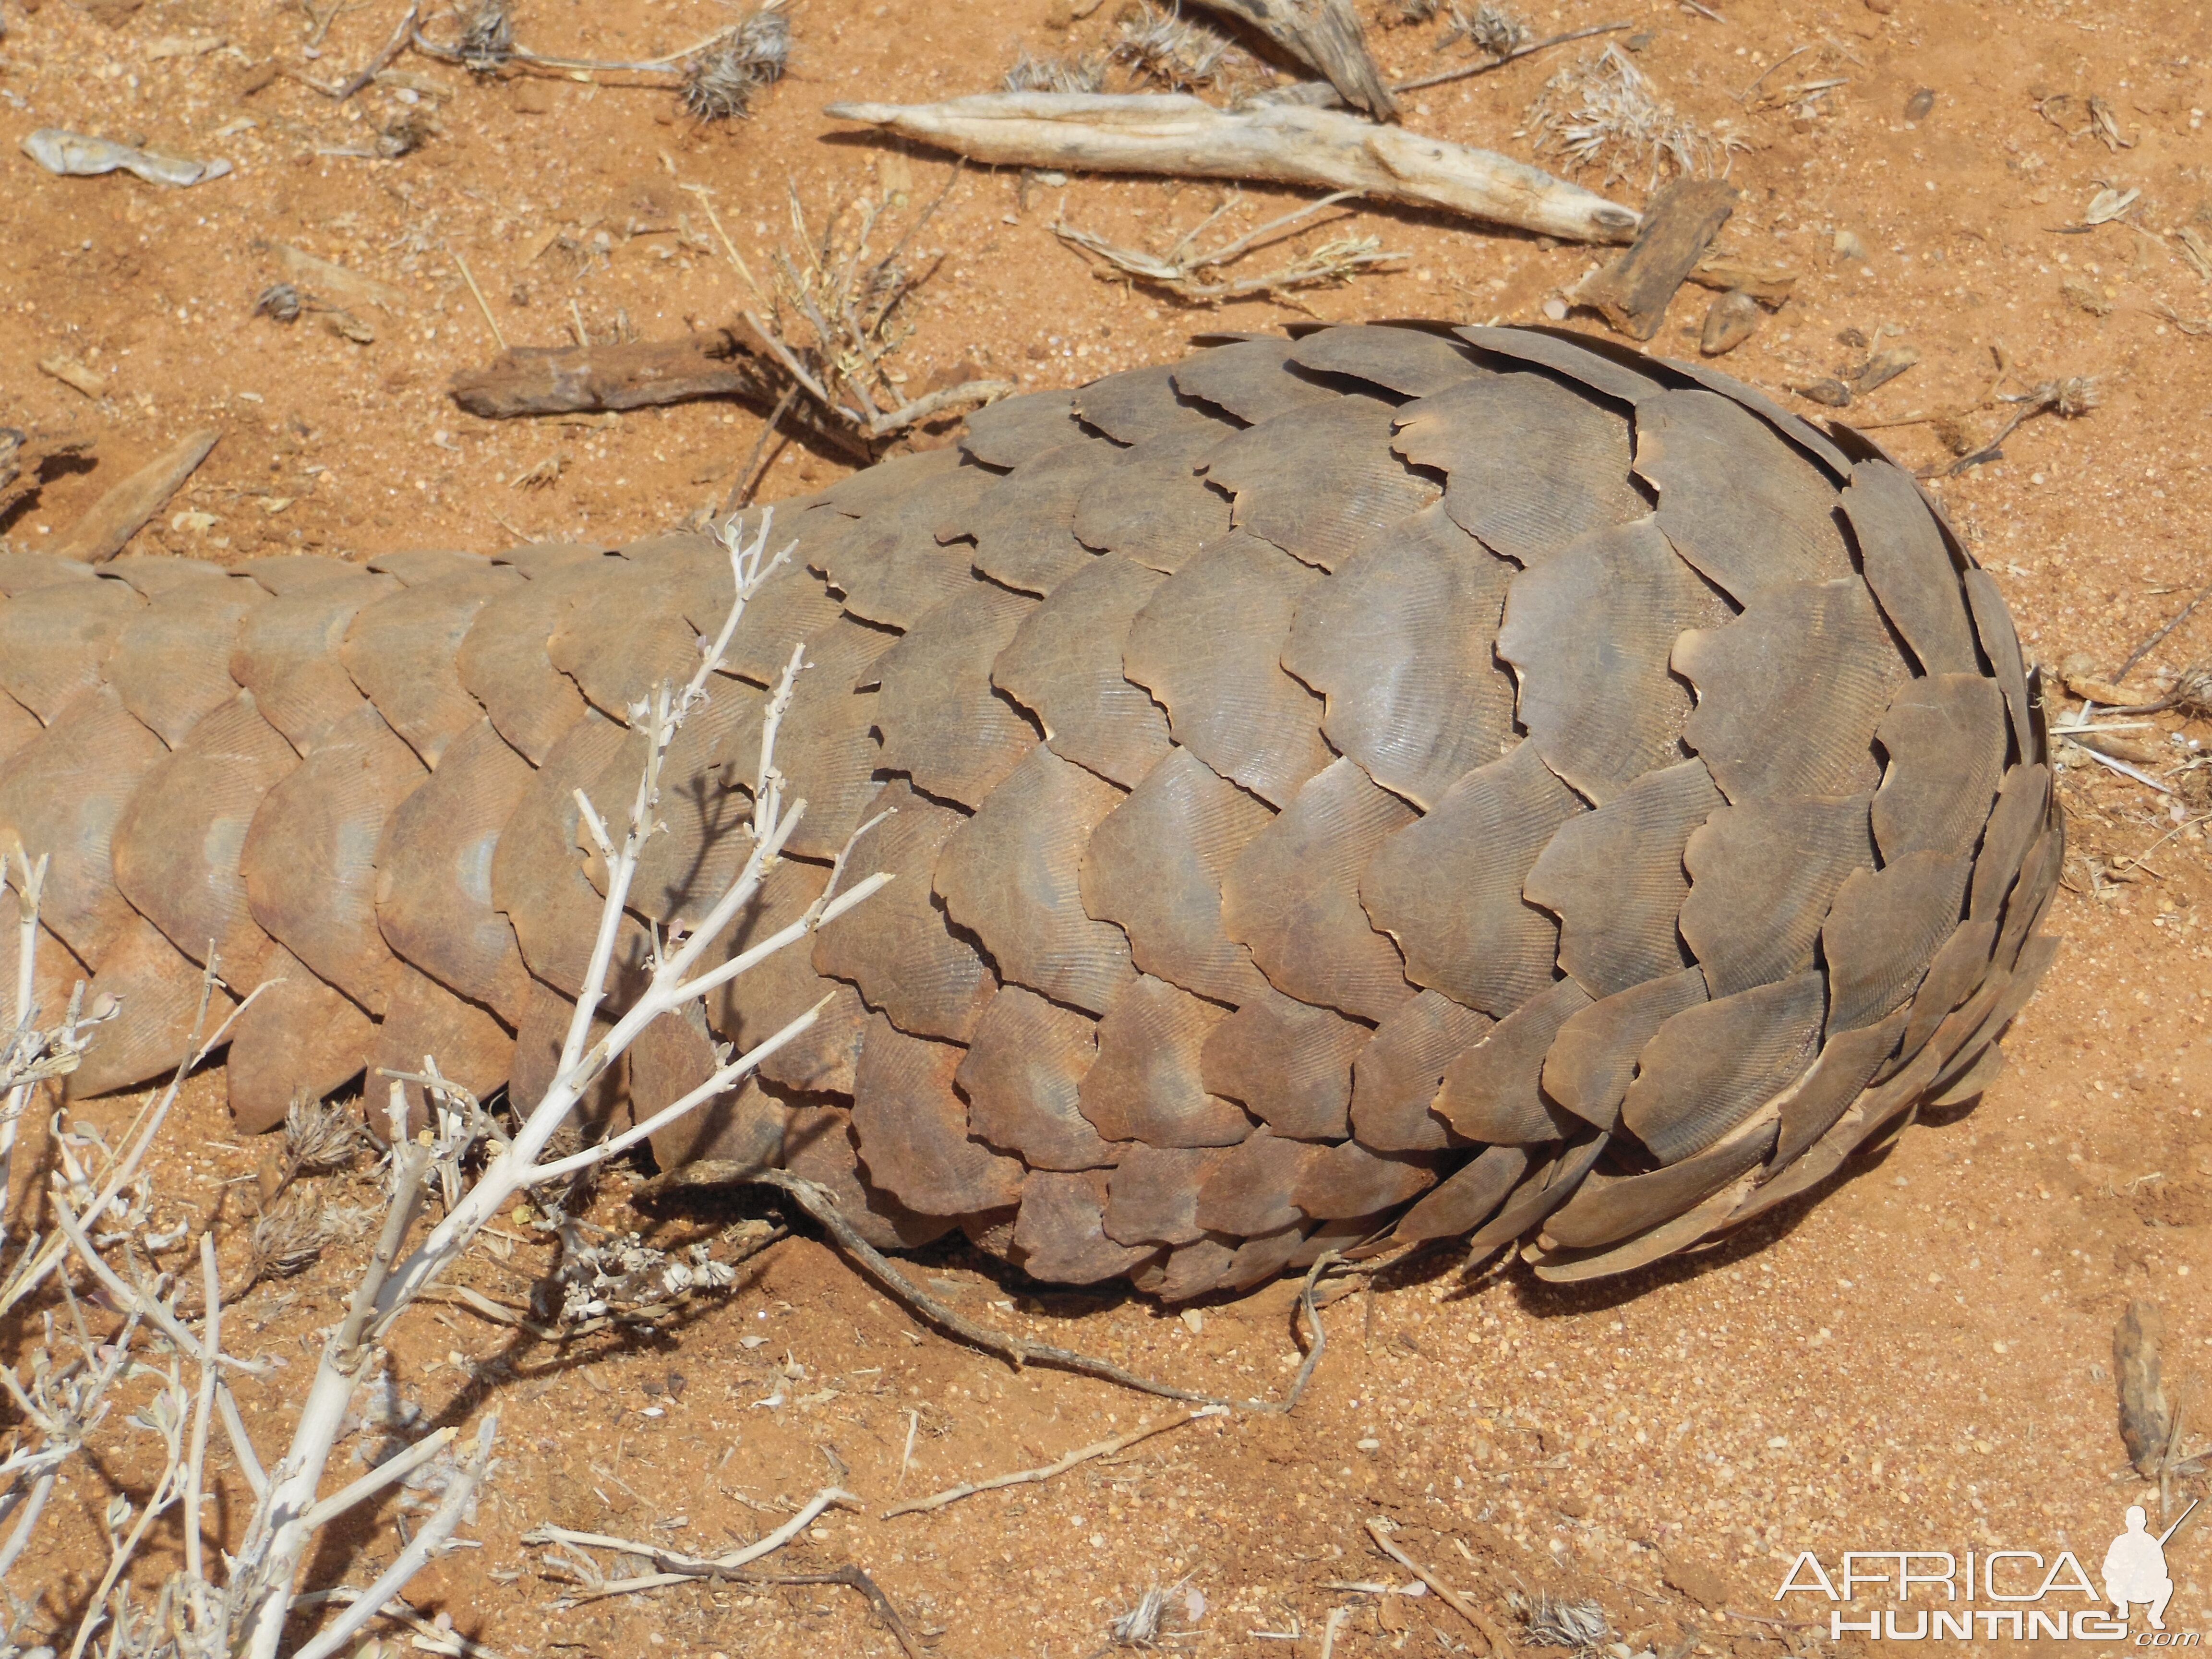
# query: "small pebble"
{"type": "Point", "coordinates": [1917, 107]}
{"type": "Point", "coordinates": [1849, 246]}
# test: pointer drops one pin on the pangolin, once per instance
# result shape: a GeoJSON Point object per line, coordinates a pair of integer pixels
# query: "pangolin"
{"type": "Point", "coordinates": [1386, 782]}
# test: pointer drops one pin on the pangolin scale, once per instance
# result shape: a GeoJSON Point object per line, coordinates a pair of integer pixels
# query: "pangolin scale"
{"type": "Point", "coordinates": [1389, 783]}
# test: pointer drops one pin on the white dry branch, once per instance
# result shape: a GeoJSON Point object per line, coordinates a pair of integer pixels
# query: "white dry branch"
{"type": "Point", "coordinates": [277, 1545]}
{"type": "Point", "coordinates": [1275, 143]}
{"type": "Point", "coordinates": [235, 1602]}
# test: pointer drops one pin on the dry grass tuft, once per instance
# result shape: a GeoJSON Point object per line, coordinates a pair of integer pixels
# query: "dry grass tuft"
{"type": "Point", "coordinates": [1580, 1625]}
{"type": "Point", "coordinates": [721, 80]}
{"type": "Point", "coordinates": [291, 1238]}
{"type": "Point", "coordinates": [486, 39]}
{"type": "Point", "coordinates": [1085, 73]}
{"type": "Point", "coordinates": [280, 301]}
{"type": "Point", "coordinates": [1604, 111]}
{"type": "Point", "coordinates": [320, 1137]}
{"type": "Point", "coordinates": [1163, 48]}
{"type": "Point", "coordinates": [1490, 30]}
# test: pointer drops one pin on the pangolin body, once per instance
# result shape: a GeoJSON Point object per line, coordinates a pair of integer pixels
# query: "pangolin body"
{"type": "Point", "coordinates": [1390, 781]}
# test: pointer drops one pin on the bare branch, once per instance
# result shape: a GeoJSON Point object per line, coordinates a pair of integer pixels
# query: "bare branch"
{"type": "Point", "coordinates": [1283, 144]}
{"type": "Point", "coordinates": [430, 1542]}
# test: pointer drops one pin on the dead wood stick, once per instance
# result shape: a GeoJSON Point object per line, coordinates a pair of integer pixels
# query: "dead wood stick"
{"type": "Point", "coordinates": [2159, 638]}
{"type": "Point", "coordinates": [562, 380]}
{"type": "Point", "coordinates": [1680, 224]}
{"type": "Point", "coordinates": [742, 487]}
{"type": "Point", "coordinates": [116, 516]}
{"type": "Point", "coordinates": [1324, 35]}
{"type": "Point", "coordinates": [1031, 1477]}
{"type": "Point", "coordinates": [968, 394]}
{"type": "Point", "coordinates": [383, 59]}
{"type": "Point", "coordinates": [1017, 1350]}
{"type": "Point", "coordinates": [1770, 285]}
{"type": "Point", "coordinates": [1183, 137]}
{"type": "Point", "coordinates": [396, 1610]}
{"type": "Point", "coordinates": [1466, 70]}
{"type": "Point", "coordinates": [1500, 1647]}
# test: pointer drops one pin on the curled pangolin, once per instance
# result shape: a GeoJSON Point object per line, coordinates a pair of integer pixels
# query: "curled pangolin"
{"type": "Point", "coordinates": [1393, 781]}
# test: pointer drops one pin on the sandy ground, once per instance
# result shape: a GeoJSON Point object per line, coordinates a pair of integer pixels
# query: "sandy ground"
{"type": "Point", "coordinates": [1920, 1360]}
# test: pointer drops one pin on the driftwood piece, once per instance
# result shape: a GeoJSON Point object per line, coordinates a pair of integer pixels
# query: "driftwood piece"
{"type": "Point", "coordinates": [1324, 35]}
{"type": "Point", "coordinates": [1770, 285]}
{"type": "Point", "coordinates": [1680, 224]}
{"type": "Point", "coordinates": [115, 517]}
{"type": "Point", "coordinates": [2145, 1419]}
{"type": "Point", "coordinates": [1281, 143]}
{"type": "Point", "coordinates": [564, 380]}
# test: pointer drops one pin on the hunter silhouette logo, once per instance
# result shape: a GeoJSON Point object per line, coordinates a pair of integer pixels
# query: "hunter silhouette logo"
{"type": "Point", "coordinates": [2028, 1591]}
{"type": "Point", "coordinates": [2134, 1566]}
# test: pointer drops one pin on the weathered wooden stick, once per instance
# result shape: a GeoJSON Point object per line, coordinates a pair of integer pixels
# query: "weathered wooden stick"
{"type": "Point", "coordinates": [115, 517]}
{"type": "Point", "coordinates": [1324, 35]}
{"type": "Point", "coordinates": [1770, 285]}
{"type": "Point", "coordinates": [1182, 136]}
{"type": "Point", "coordinates": [562, 379]}
{"type": "Point", "coordinates": [1678, 227]}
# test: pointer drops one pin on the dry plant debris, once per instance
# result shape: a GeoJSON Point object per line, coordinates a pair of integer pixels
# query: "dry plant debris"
{"type": "Point", "coordinates": [2069, 399]}
{"type": "Point", "coordinates": [1324, 35]}
{"type": "Point", "coordinates": [1195, 274]}
{"type": "Point", "coordinates": [116, 516]}
{"type": "Point", "coordinates": [564, 380]}
{"type": "Point", "coordinates": [1858, 380]}
{"type": "Point", "coordinates": [1285, 144]}
{"type": "Point", "coordinates": [717, 78]}
{"type": "Point", "coordinates": [2151, 1423]}
{"type": "Point", "coordinates": [1489, 30]}
{"type": "Point", "coordinates": [1679, 224]}
{"type": "Point", "coordinates": [834, 315]}
{"type": "Point", "coordinates": [486, 35]}
{"type": "Point", "coordinates": [101, 1208]}
{"type": "Point", "coordinates": [574, 1566]}
{"type": "Point", "coordinates": [1560, 1622]}
{"type": "Point", "coordinates": [1084, 73]}
{"type": "Point", "coordinates": [1604, 111]}
{"type": "Point", "coordinates": [1166, 49]}
{"type": "Point", "coordinates": [723, 77]}
{"type": "Point", "coordinates": [1031, 1477]}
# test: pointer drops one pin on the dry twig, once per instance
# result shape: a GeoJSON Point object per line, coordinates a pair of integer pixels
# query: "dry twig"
{"type": "Point", "coordinates": [1484, 36]}
{"type": "Point", "coordinates": [2069, 399]}
{"type": "Point", "coordinates": [1031, 1477]}
{"type": "Point", "coordinates": [674, 1567]}
{"type": "Point", "coordinates": [1500, 1646]}
{"type": "Point", "coordinates": [819, 1202]}
{"type": "Point", "coordinates": [718, 77]}
{"type": "Point", "coordinates": [1182, 269]}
